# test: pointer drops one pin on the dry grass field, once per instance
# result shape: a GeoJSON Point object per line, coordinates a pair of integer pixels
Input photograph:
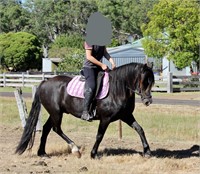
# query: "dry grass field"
{"type": "Point", "coordinates": [171, 130]}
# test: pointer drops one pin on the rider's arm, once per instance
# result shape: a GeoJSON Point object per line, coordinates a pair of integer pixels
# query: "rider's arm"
{"type": "Point", "coordinates": [109, 58]}
{"type": "Point", "coordinates": [93, 60]}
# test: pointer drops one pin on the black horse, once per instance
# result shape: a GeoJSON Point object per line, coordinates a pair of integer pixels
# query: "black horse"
{"type": "Point", "coordinates": [124, 82]}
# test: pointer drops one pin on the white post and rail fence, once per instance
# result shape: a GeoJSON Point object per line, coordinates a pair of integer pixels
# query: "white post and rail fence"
{"type": "Point", "coordinates": [169, 84]}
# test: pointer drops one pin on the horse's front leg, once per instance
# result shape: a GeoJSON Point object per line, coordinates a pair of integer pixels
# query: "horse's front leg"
{"type": "Point", "coordinates": [140, 131]}
{"type": "Point", "coordinates": [101, 131]}
{"type": "Point", "coordinates": [130, 120]}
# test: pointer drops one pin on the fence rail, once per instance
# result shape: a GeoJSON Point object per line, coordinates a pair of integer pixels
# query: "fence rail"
{"type": "Point", "coordinates": [168, 83]}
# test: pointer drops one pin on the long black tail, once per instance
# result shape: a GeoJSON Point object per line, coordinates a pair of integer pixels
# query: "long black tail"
{"type": "Point", "coordinates": [29, 130]}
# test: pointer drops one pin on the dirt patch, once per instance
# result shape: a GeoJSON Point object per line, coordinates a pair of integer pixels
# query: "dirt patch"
{"type": "Point", "coordinates": [177, 154]}
{"type": "Point", "coordinates": [118, 156]}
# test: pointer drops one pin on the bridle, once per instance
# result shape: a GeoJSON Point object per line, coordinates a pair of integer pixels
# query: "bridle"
{"type": "Point", "coordinates": [138, 92]}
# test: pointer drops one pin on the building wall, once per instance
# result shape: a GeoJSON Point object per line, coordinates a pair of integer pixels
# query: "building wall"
{"type": "Point", "coordinates": [168, 66]}
{"type": "Point", "coordinates": [46, 65]}
{"type": "Point", "coordinates": [119, 61]}
{"type": "Point", "coordinates": [126, 54]}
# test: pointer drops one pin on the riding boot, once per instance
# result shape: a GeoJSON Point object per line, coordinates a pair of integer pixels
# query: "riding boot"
{"type": "Point", "coordinates": [88, 94]}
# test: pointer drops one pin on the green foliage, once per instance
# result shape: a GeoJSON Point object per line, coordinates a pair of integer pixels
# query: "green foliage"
{"type": "Point", "coordinates": [126, 16]}
{"type": "Point", "coordinates": [173, 31]}
{"type": "Point", "coordinates": [60, 23]}
{"type": "Point", "coordinates": [49, 19]}
{"type": "Point", "coordinates": [70, 49]}
{"type": "Point", "coordinates": [69, 41]}
{"type": "Point", "coordinates": [12, 16]}
{"type": "Point", "coordinates": [20, 51]}
{"type": "Point", "coordinates": [114, 43]}
{"type": "Point", "coordinates": [72, 61]}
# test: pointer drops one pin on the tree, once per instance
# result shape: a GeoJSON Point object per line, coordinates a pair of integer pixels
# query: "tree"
{"type": "Point", "coordinates": [72, 60]}
{"type": "Point", "coordinates": [50, 19]}
{"type": "Point", "coordinates": [20, 51]}
{"type": "Point", "coordinates": [12, 16]}
{"type": "Point", "coordinates": [173, 31]}
{"type": "Point", "coordinates": [70, 49]}
{"type": "Point", "coordinates": [126, 16]}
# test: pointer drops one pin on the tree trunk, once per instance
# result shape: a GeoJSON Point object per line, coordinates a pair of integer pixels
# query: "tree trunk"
{"type": "Point", "coordinates": [45, 51]}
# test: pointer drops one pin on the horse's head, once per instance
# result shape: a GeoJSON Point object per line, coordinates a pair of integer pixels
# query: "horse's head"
{"type": "Point", "coordinates": [145, 84]}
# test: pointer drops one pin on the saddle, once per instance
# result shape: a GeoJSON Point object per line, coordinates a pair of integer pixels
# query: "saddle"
{"type": "Point", "coordinates": [76, 86]}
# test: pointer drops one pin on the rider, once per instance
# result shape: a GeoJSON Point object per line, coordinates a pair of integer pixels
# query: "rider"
{"type": "Point", "coordinates": [98, 35]}
{"type": "Point", "coordinates": [92, 66]}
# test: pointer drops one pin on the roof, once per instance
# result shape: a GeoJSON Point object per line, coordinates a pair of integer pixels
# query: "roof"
{"type": "Point", "coordinates": [124, 54]}
{"type": "Point", "coordinates": [128, 50]}
{"type": "Point", "coordinates": [56, 60]}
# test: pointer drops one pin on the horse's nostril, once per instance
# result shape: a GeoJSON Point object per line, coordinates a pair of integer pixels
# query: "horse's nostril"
{"type": "Point", "coordinates": [147, 103]}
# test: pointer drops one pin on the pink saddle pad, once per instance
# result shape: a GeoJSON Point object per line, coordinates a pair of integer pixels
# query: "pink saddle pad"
{"type": "Point", "coordinates": [76, 87]}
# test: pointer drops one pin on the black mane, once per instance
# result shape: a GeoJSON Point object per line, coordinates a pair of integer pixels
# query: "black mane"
{"type": "Point", "coordinates": [124, 76]}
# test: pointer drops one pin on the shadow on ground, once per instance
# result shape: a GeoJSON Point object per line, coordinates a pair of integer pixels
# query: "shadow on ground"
{"type": "Point", "coordinates": [194, 151]}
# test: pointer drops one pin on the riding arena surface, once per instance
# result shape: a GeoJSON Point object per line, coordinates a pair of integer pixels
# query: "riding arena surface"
{"type": "Point", "coordinates": [179, 155]}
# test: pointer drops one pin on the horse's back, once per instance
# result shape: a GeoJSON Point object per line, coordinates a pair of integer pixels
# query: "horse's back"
{"type": "Point", "coordinates": [56, 81]}
{"type": "Point", "coordinates": [53, 90]}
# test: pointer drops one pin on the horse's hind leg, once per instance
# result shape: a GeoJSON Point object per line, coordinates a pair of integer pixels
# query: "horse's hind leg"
{"type": "Point", "coordinates": [57, 128]}
{"type": "Point", "coordinates": [46, 129]}
{"type": "Point", "coordinates": [130, 120]}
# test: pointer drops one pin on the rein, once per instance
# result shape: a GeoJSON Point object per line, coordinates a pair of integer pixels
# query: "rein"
{"type": "Point", "coordinates": [135, 91]}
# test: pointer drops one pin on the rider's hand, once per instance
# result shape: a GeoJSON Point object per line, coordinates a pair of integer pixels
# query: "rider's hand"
{"type": "Point", "coordinates": [104, 67]}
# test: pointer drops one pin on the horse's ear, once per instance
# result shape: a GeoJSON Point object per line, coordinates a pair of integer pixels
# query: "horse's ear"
{"type": "Point", "coordinates": [149, 64]}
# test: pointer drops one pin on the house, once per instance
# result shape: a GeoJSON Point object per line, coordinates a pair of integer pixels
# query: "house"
{"type": "Point", "coordinates": [125, 54]}
{"type": "Point", "coordinates": [134, 52]}
{"type": "Point", "coordinates": [169, 66]}
{"type": "Point", "coordinates": [50, 64]}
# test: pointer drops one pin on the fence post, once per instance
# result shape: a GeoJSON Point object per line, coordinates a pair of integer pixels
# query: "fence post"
{"type": "Point", "coordinates": [21, 106]}
{"type": "Point", "coordinates": [43, 76]}
{"type": "Point", "coordinates": [39, 124]}
{"type": "Point", "coordinates": [120, 129]}
{"type": "Point", "coordinates": [4, 79]}
{"type": "Point", "coordinates": [23, 79]}
{"type": "Point", "coordinates": [55, 73]}
{"type": "Point", "coordinates": [170, 82]}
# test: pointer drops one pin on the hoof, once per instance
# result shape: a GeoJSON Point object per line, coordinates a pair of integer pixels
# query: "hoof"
{"type": "Point", "coordinates": [76, 152]}
{"type": "Point", "coordinates": [44, 155]}
{"type": "Point", "coordinates": [87, 116]}
{"type": "Point", "coordinates": [95, 157]}
{"type": "Point", "coordinates": [147, 154]}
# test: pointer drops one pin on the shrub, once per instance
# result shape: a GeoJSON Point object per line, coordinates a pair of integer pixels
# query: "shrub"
{"type": "Point", "coordinates": [20, 51]}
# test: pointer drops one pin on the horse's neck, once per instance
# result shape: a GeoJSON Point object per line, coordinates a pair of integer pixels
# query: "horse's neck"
{"type": "Point", "coordinates": [122, 83]}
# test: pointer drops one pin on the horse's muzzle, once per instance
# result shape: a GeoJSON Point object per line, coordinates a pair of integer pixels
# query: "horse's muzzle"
{"type": "Point", "coordinates": [147, 100]}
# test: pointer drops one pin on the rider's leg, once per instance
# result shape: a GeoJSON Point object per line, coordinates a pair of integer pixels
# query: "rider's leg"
{"type": "Point", "coordinates": [90, 86]}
